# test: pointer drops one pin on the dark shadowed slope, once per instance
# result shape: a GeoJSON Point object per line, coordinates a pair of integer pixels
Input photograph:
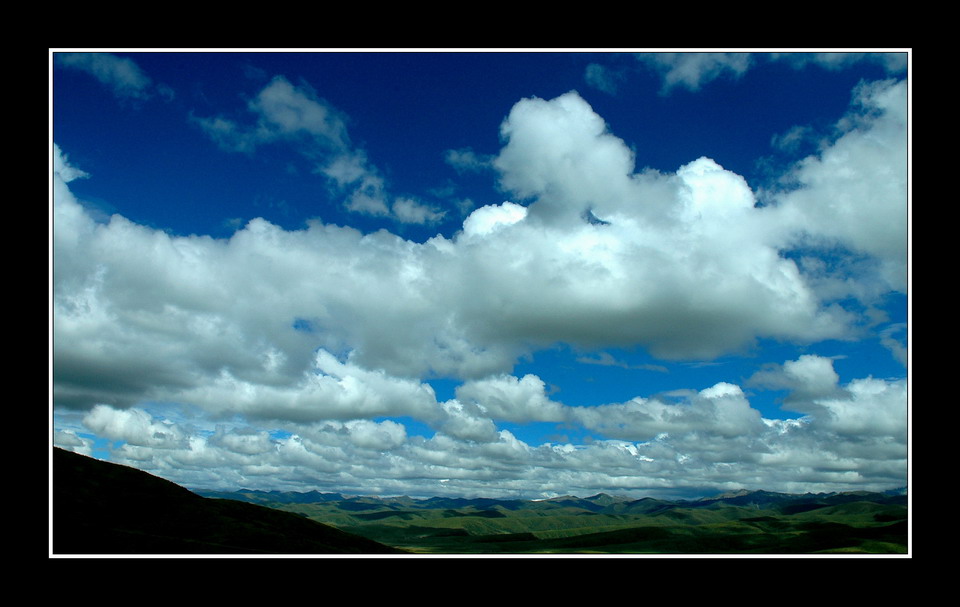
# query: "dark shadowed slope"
{"type": "Point", "coordinates": [104, 508]}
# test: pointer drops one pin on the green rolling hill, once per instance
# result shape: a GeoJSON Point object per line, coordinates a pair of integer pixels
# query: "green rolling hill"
{"type": "Point", "coordinates": [103, 508]}
{"type": "Point", "coordinates": [743, 523]}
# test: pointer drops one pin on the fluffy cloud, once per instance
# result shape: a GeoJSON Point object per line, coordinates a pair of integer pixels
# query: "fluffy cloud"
{"type": "Point", "coordinates": [486, 220]}
{"type": "Point", "coordinates": [682, 250]}
{"type": "Point", "coordinates": [853, 193]}
{"type": "Point", "coordinates": [467, 422]}
{"type": "Point", "coordinates": [560, 153]}
{"type": "Point", "coordinates": [856, 437]}
{"type": "Point", "coordinates": [871, 408]}
{"type": "Point", "coordinates": [310, 338]}
{"type": "Point", "coordinates": [684, 264]}
{"type": "Point", "coordinates": [133, 426]}
{"type": "Point", "coordinates": [807, 377]}
{"type": "Point", "coordinates": [722, 410]}
{"type": "Point", "coordinates": [512, 399]}
{"type": "Point", "coordinates": [866, 407]}
{"type": "Point", "coordinates": [329, 390]}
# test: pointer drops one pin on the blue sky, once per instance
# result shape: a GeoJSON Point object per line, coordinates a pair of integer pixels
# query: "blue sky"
{"type": "Point", "coordinates": [483, 273]}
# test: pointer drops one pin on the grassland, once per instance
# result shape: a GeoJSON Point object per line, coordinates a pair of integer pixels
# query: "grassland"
{"type": "Point", "coordinates": [759, 523]}
{"type": "Point", "coordinates": [101, 508]}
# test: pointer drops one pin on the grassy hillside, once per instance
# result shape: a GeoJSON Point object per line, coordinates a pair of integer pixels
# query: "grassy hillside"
{"type": "Point", "coordinates": [104, 508]}
{"type": "Point", "coordinates": [760, 523]}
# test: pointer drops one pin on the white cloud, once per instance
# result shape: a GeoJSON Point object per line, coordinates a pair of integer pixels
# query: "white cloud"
{"type": "Point", "coordinates": [513, 399]}
{"type": "Point", "coordinates": [133, 426]}
{"type": "Point", "coordinates": [864, 408]}
{"type": "Point", "coordinates": [408, 210]}
{"type": "Point", "coordinates": [692, 70]}
{"type": "Point", "coordinates": [244, 442]}
{"type": "Point", "coordinates": [671, 242]}
{"type": "Point", "coordinates": [897, 347]}
{"type": "Point", "coordinates": [295, 115]}
{"type": "Point", "coordinates": [871, 408]}
{"type": "Point", "coordinates": [809, 376]}
{"type": "Point", "coordinates": [466, 160]}
{"type": "Point", "coordinates": [62, 169]}
{"type": "Point", "coordinates": [605, 359]}
{"type": "Point", "coordinates": [560, 153]}
{"type": "Point", "coordinates": [892, 62]}
{"type": "Point", "coordinates": [853, 193]}
{"type": "Point", "coordinates": [71, 441]}
{"type": "Point", "coordinates": [285, 110]}
{"type": "Point", "coordinates": [486, 220]}
{"type": "Point", "coordinates": [282, 112]}
{"type": "Point", "coordinates": [683, 264]}
{"type": "Point", "coordinates": [645, 446]}
{"type": "Point", "coordinates": [324, 331]}
{"type": "Point", "coordinates": [369, 196]}
{"type": "Point", "coordinates": [329, 389]}
{"type": "Point", "coordinates": [604, 78]}
{"type": "Point", "coordinates": [124, 77]}
{"type": "Point", "coordinates": [346, 169]}
{"type": "Point", "coordinates": [467, 422]}
{"type": "Point", "coordinates": [722, 411]}
{"type": "Point", "coordinates": [378, 436]}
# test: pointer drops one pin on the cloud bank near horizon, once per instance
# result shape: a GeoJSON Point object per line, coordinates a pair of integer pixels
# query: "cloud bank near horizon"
{"type": "Point", "coordinates": [711, 440]}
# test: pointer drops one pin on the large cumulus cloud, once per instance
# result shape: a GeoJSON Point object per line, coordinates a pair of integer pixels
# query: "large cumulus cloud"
{"type": "Point", "coordinates": [853, 195]}
{"type": "Point", "coordinates": [325, 331]}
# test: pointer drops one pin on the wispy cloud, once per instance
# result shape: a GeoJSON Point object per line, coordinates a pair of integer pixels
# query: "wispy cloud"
{"type": "Point", "coordinates": [296, 116]}
{"type": "Point", "coordinates": [893, 338]}
{"type": "Point", "coordinates": [604, 78]}
{"type": "Point", "coordinates": [466, 160]}
{"type": "Point", "coordinates": [121, 75]}
{"type": "Point", "coordinates": [605, 359]}
{"type": "Point", "coordinates": [892, 62]}
{"type": "Point", "coordinates": [692, 70]}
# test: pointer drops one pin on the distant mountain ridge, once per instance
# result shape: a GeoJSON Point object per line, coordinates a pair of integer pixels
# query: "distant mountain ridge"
{"type": "Point", "coordinates": [741, 522]}
{"type": "Point", "coordinates": [600, 503]}
{"type": "Point", "coordinates": [105, 508]}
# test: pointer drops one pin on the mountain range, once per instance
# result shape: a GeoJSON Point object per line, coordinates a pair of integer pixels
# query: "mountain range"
{"type": "Point", "coordinates": [743, 522]}
{"type": "Point", "coordinates": [104, 508]}
{"type": "Point", "coordinates": [600, 503]}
